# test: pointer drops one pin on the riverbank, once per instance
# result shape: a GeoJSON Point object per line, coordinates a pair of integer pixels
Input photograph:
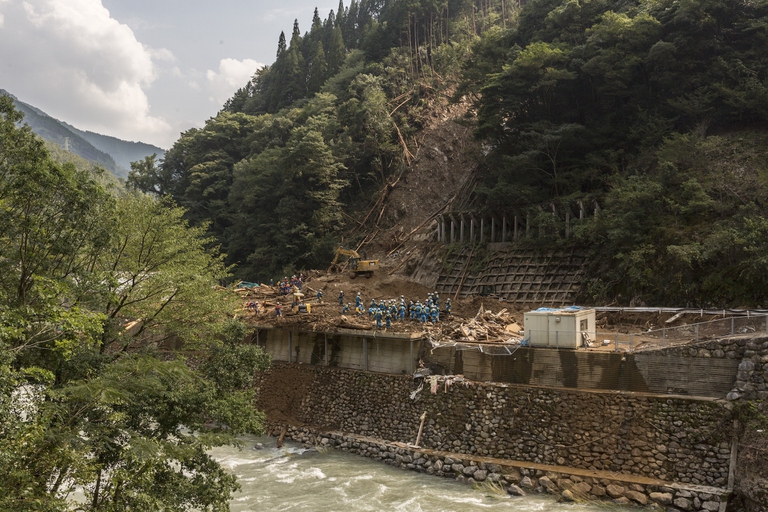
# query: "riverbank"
{"type": "Point", "coordinates": [630, 448]}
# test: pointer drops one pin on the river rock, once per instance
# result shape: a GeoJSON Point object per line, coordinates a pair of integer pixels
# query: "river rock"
{"type": "Point", "coordinates": [548, 484]}
{"type": "Point", "coordinates": [663, 498]}
{"type": "Point", "coordinates": [581, 489]}
{"type": "Point", "coordinates": [598, 490]}
{"type": "Point", "coordinates": [637, 497]}
{"type": "Point", "coordinates": [480, 475]}
{"type": "Point", "coordinates": [615, 491]}
{"type": "Point", "coordinates": [683, 503]}
{"type": "Point", "coordinates": [515, 490]}
{"type": "Point", "coordinates": [567, 495]}
{"type": "Point", "coordinates": [526, 482]}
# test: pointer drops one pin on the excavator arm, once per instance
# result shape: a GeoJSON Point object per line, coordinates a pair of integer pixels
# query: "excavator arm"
{"type": "Point", "coordinates": [356, 266]}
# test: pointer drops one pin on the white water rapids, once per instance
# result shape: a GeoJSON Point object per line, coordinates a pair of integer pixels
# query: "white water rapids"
{"type": "Point", "coordinates": [293, 478]}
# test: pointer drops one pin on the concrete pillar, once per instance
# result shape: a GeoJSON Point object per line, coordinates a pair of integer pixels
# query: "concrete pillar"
{"type": "Point", "coordinates": [442, 229]}
{"type": "Point", "coordinates": [471, 229]}
{"type": "Point", "coordinates": [482, 229]}
{"type": "Point", "coordinates": [493, 229]}
{"type": "Point", "coordinates": [528, 225]}
{"type": "Point", "coordinates": [504, 228]}
{"type": "Point", "coordinates": [453, 229]}
{"type": "Point", "coordinates": [461, 230]}
{"type": "Point", "coordinates": [516, 235]}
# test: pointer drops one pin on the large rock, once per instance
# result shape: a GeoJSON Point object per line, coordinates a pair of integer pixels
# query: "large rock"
{"type": "Point", "coordinates": [637, 497]}
{"type": "Point", "coordinates": [526, 482]}
{"type": "Point", "coordinates": [548, 485]}
{"type": "Point", "coordinates": [664, 498]}
{"type": "Point", "coordinates": [581, 489]}
{"type": "Point", "coordinates": [515, 490]}
{"type": "Point", "coordinates": [711, 506]}
{"type": "Point", "coordinates": [598, 490]}
{"type": "Point", "coordinates": [683, 503]}
{"type": "Point", "coordinates": [567, 495]}
{"type": "Point", "coordinates": [480, 475]}
{"type": "Point", "coordinates": [615, 491]}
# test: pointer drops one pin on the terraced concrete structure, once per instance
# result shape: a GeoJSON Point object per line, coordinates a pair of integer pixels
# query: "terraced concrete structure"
{"type": "Point", "coordinates": [672, 449]}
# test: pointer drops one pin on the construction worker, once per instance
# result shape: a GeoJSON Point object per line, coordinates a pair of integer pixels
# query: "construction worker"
{"type": "Point", "coordinates": [378, 318]}
{"type": "Point", "coordinates": [448, 306]}
{"type": "Point", "coordinates": [319, 295]}
{"type": "Point", "coordinates": [436, 298]}
{"type": "Point", "coordinates": [341, 297]}
{"type": "Point", "coordinates": [358, 300]}
{"type": "Point", "coordinates": [359, 310]}
{"type": "Point", "coordinates": [345, 309]}
{"type": "Point", "coordinates": [434, 314]}
{"type": "Point", "coordinates": [277, 309]}
{"type": "Point", "coordinates": [389, 319]}
{"type": "Point", "coordinates": [401, 311]}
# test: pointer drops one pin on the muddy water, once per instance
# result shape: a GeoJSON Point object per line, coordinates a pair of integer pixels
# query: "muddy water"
{"type": "Point", "coordinates": [294, 478]}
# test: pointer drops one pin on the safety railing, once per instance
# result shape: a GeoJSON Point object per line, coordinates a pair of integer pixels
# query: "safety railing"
{"type": "Point", "coordinates": [653, 337]}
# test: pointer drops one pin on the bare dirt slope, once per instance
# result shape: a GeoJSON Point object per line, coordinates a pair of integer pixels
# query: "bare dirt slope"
{"type": "Point", "coordinates": [443, 159]}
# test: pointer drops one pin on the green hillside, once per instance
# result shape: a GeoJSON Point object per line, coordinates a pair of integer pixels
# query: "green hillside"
{"type": "Point", "coordinates": [653, 109]}
{"type": "Point", "coordinates": [113, 154]}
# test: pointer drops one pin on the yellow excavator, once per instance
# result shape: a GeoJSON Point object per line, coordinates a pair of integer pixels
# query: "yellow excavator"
{"type": "Point", "coordinates": [356, 265]}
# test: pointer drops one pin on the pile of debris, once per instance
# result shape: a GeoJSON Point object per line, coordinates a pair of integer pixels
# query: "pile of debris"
{"type": "Point", "coordinates": [485, 327]}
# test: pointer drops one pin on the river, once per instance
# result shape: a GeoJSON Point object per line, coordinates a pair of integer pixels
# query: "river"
{"type": "Point", "coordinates": [293, 478]}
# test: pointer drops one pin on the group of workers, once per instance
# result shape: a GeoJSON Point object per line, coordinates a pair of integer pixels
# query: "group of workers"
{"type": "Point", "coordinates": [286, 285]}
{"type": "Point", "coordinates": [385, 312]}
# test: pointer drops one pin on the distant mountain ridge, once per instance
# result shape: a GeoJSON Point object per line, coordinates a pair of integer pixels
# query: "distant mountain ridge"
{"type": "Point", "coordinates": [112, 153]}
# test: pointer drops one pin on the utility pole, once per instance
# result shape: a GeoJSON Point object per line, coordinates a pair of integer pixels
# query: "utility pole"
{"type": "Point", "coordinates": [66, 143]}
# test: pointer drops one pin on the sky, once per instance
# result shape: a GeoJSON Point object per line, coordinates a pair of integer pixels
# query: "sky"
{"type": "Point", "coordinates": [140, 70]}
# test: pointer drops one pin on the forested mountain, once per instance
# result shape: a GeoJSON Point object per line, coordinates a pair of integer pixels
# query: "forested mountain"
{"type": "Point", "coordinates": [111, 153]}
{"type": "Point", "coordinates": [653, 109]}
{"type": "Point", "coordinates": [122, 151]}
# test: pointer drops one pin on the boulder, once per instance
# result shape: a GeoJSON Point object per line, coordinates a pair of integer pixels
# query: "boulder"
{"type": "Point", "coordinates": [637, 497]}
{"type": "Point", "coordinates": [548, 485]}
{"type": "Point", "coordinates": [663, 498]}
{"type": "Point", "coordinates": [615, 491]}
{"type": "Point", "coordinates": [683, 503]}
{"type": "Point", "coordinates": [515, 490]}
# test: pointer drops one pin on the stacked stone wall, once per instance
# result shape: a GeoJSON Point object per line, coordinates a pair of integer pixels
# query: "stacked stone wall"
{"type": "Point", "coordinates": [668, 438]}
{"type": "Point", "coordinates": [518, 480]}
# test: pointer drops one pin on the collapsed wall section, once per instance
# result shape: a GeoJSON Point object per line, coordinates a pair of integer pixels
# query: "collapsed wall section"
{"type": "Point", "coordinates": [668, 438]}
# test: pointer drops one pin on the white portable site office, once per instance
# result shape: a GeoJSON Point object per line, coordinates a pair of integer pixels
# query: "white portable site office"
{"type": "Point", "coordinates": [559, 327]}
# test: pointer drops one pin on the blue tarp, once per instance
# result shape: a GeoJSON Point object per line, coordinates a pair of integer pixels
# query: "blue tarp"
{"type": "Point", "coordinates": [247, 284]}
{"type": "Point", "coordinates": [554, 310]}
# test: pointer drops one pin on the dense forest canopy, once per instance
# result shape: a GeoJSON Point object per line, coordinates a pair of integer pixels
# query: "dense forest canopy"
{"type": "Point", "coordinates": [91, 282]}
{"type": "Point", "coordinates": [653, 109]}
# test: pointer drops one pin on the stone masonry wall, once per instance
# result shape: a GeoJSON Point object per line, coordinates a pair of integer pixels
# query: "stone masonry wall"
{"type": "Point", "coordinates": [568, 484]}
{"type": "Point", "coordinates": [668, 438]}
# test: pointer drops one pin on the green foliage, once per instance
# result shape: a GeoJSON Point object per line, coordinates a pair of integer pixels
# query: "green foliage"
{"type": "Point", "coordinates": [90, 284]}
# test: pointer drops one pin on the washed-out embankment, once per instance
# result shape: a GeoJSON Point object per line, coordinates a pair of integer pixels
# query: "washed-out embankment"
{"type": "Point", "coordinates": [667, 452]}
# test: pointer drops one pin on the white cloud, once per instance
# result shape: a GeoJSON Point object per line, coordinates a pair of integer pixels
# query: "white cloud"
{"type": "Point", "coordinates": [233, 74]}
{"type": "Point", "coordinates": [73, 60]}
